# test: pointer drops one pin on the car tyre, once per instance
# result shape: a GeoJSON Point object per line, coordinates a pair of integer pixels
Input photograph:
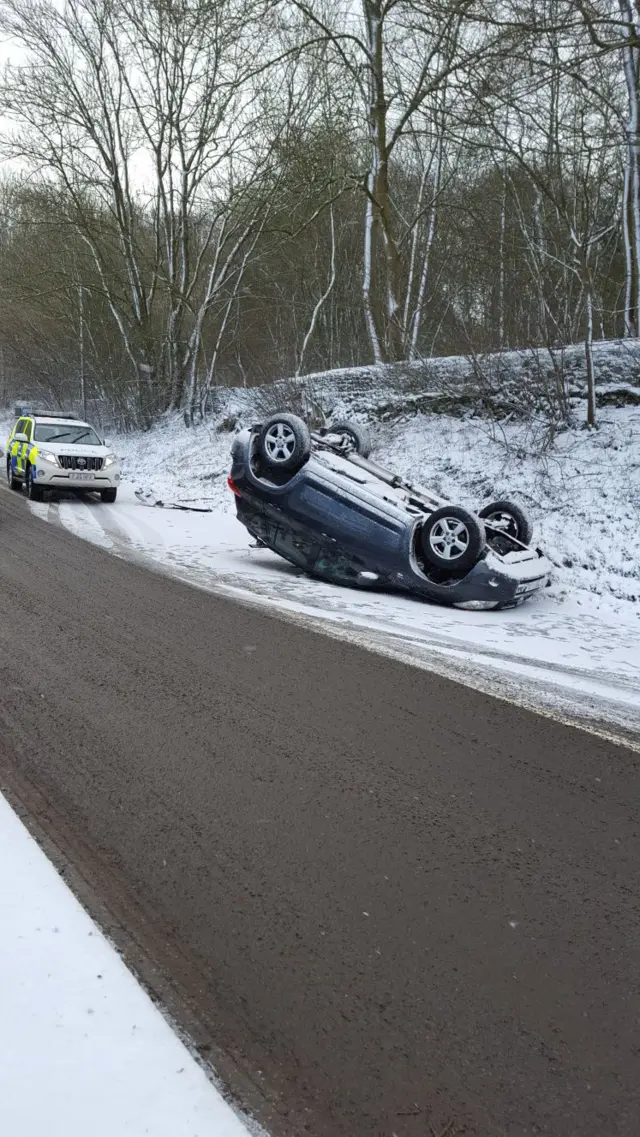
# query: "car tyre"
{"type": "Point", "coordinates": [13, 482]}
{"type": "Point", "coordinates": [356, 437]}
{"type": "Point", "coordinates": [34, 492]}
{"type": "Point", "coordinates": [452, 539]}
{"type": "Point", "coordinates": [108, 496]}
{"type": "Point", "coordinates": [510, 518]}
{"type": "Point", "coordinates": [284, 443]}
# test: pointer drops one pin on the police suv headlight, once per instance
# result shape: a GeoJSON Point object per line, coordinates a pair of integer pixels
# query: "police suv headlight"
{"type": "Point", "coordinates": [47, 456]}
{"type": "Point", "coordinates": [110, 460]}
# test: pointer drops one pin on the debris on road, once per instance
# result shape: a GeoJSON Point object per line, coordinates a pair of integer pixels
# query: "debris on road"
{"type": "Point", "coordinates": [147, 497]}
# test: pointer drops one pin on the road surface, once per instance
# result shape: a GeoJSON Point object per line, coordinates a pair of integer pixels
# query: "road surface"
{"type": "Point", "coordinates": [381, 903]}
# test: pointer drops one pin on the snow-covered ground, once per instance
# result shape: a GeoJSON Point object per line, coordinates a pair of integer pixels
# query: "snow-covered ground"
{"type": "Point", "coordinates": [83, 1050]}
{"type": "Point", "coordinates": [576, 649]}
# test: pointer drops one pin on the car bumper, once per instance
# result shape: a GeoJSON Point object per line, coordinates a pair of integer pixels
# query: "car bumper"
{"type": "Point", "coordinates": [49, 477]}
{"type": "Point", "coordinates": [497, 583]}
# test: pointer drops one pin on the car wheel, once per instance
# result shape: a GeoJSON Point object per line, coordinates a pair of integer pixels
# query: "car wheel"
{"type": "Point", "coordinates": [14, 483]}
{"type": "Point", "coordinates": [108, 496]}
{"type": "Point", "coordinates": [510, 519]}
{"type": "Point", "coordinates": [452, 538]}
{"type": "Point", "coordinates": [284, 443]}
{"type": "Point", "coordinates": [34, 492]}
{"type": "Point", "coordinates": [356, 438]}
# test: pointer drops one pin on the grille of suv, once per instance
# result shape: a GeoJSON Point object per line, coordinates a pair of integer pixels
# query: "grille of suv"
{"type": "Point", "coordinates": [70, 462]}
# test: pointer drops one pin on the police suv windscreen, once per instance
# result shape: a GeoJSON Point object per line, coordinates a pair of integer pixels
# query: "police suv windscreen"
{"type": "Point", "coordinates": [74, 434]}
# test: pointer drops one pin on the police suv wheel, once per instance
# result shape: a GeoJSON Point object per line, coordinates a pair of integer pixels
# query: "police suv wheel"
{"type": "Point", "coordinates": [14, 483]}
{"type": "Point", "coordinates": [284, 443]}
{"type": "Point", "coordinates": [34, 492]}
{"type": "Point", "coordinates": [452, 539]}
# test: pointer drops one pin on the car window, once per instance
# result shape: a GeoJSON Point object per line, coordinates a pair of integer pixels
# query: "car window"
{"type": "Point", "coordinates": [351, 519]}
{"type": "Point", "coordinates": [295, 546]}
{"type": "Point", "coordinates": [19, 427]}
{"type": "Point", "coordinates": [73, 434]}
{"type": "Point", "coordinates": [28, 428]}
{"type": "Point", "coordinates": [338, 567]}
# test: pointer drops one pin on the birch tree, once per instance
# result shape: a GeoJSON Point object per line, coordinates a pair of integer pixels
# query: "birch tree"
{"type": "Point", "coordinates": [630, 52]}
{"type": "Point", "coordinates": [421, 229]}
{"type": "Point", "coordinates": [398, 54]}
{"type": "Point", "coordinates": [561, 144]}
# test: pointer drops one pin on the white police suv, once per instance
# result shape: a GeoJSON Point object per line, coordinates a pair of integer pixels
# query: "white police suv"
{"type": "Point", "coordinates": [48, 451]}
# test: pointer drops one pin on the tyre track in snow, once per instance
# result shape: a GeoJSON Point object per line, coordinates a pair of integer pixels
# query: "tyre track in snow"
{"type": "Point", "coordinates": [385, 903]}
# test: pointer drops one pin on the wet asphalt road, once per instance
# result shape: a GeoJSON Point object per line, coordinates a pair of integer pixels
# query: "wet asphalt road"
{"type": "Point", "coordinates": [386, 904]}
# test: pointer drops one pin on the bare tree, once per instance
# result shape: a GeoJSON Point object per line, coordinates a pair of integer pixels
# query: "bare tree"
{"type": "Point", "coordinates": [398, 54]}
{"type": "Point", "coordinates": [156, 115]}
{"type": "Point", "coordinates": [562, 146]}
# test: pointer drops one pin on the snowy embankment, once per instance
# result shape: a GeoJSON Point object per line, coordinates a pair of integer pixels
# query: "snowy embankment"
{"type": "Point", "coordinates": [503, 384]}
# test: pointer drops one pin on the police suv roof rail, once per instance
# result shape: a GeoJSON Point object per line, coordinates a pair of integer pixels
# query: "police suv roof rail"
{"type": "Point", "coordinates": [51, 414]}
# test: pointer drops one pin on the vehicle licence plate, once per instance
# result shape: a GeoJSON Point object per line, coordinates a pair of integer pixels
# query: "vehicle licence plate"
{"type": "Point", "coordinates": [81, 476]}
{"type": "Point", "coordinates": [530, 586]}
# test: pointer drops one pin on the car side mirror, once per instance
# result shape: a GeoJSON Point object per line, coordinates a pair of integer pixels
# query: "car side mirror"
{"type": "Point", "coordinates": [20, 438]}
{"type": "Point", "coordinates": [107, 442]}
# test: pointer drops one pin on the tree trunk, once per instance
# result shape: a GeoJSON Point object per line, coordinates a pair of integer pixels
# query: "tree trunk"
{"type": "Point", "coordinates": [627, 231]}
{"type": "Point", "coordinates": [322, 300]}
{"type": "Point", "coordinates": [588, 350]}
{"type": "Point", "coordinates": [631, 204]}
{"type": "Point", "coordinates": [502, 273]}
{"type": "Point", "coordinates": [424, 275]}
{"type": "Point", "coordinates": [378, 190]}
{"type": "Point", "coordinates": [367, 276]}
{"type": "Point", "coordinates": [587, 286]}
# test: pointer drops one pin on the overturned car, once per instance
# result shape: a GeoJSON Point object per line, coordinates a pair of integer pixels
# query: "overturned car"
{"type": "Point", "coordinates": [316, 499]}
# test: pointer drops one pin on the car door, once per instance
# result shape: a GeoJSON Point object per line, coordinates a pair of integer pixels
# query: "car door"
{"type": "Point", "coordinates": [27, 446]}
{"type": "Point", "coordinates": [23, 447]}
{"type": "Point", "coordinates": [341, 509]}
{"type": "Point", "coordinates": [16, 448]}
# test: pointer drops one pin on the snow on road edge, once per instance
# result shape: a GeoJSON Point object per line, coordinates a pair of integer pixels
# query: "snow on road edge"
{"type": "Point", "coordinates": [83, 1049]}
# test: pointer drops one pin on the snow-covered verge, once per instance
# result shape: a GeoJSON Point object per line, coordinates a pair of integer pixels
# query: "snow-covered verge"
{"type": "Point", "coordinates": [83, 1050]}
{"type": "Point", "coordinates": [583, 493]}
